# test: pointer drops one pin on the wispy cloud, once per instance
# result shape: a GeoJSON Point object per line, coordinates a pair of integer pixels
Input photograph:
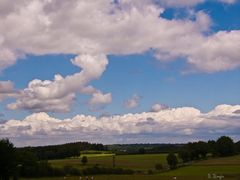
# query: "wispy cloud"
{"type": "Point", "coordinates": [133, 102]}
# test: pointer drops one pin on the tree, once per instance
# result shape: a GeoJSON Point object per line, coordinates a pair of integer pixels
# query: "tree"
{"type": "Point", "coordinates": [7, 159]}
{"type": "Point", "coordinates": [184, 154]}
{"type": "Point", "coordinates": [141, 151]}
{"type": "Point", "coordinates": [212, 147]}
{"type": "Point", "coordinates": [225, 146]}
{"type": "Point", "coordinates": [237, 147]}
{"type": "Point", "coordinates": [84, 160]}
{"type": "Point", "coordinates": [172, 160]}
{"type": "Point", "coordinates": [202, 148]}
{"type": "Point", "coordinates": [29, 164]}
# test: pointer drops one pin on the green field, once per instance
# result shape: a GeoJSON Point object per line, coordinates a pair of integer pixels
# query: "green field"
{"type": "Point", "coordinates": [138, 177]}
{"type": "Point", "coordinates": [229, 167]}
{"type": "Point", "coordinates": [136, 162]}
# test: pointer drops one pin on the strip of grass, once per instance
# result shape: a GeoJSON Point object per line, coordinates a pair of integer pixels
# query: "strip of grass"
{"type": "Point", "coordinates": [203, 171]}
{"type": "Point", "coordinates": [232, 160]}
{"type": "Point", "coordinates": [137, 177]}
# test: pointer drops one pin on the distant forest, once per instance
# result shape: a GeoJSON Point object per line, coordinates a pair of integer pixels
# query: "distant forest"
{"type": "Point", "coordinates": [199, 148]}
{"type": "Point", "coordinates": [61, 151]}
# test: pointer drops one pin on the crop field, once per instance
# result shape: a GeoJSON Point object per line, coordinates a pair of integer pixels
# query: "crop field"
{"type": "Point", "coordinates": [228, 167]}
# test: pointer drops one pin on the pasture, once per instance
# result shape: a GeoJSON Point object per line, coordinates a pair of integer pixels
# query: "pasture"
{"type": "Point", "coordinates": [136, 162]}
{"type": "Point", "coordinates": [228, 167]}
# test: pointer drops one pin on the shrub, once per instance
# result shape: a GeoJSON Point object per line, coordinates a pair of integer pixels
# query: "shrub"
{"type": "Point", "coordinates": [158, 167]}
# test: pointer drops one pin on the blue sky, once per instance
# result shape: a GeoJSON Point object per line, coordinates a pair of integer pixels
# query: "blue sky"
{"type": "Point", "coordinates": [140, 65]}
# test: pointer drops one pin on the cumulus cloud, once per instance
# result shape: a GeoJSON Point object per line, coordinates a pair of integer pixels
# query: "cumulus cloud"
{"type": "Point", "coordinates": [181, 3]}
{"type": "Point", "coordinates": [133, 102]}
{"type": "Point", "coordinates": [58, 95]}
{"type": "Point", "coordinates": [183, 124]}
{"type": "Point", "coordinates": [188, 3]}
{"type": "Point", "coordinates": [94, 29]}
{"type": "Point", "coordinates": [7, 90]}
{"type": "Point", "coordinates": [158, 107]}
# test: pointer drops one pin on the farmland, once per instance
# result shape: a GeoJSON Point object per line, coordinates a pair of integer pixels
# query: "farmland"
{"type": "Point", "coordinates": [229, 167]}
{"type": "Point", "coordinates": [136, 162]}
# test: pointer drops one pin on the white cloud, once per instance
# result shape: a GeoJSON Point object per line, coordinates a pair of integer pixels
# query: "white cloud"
{"type": "Point", "coordinates": [94, 29]}
{"type": "Point", "coordinates": [189, 3]}
{"type": "Point", "coordinates": [7, 90]}
{"type": "Point", "coordinates": [99, 98]}
{"type": "Point", "coordinates": [101, 27]}
{"type": "Point", "coordinates": [183, 124]}
{"type": "Point", "coordinates": [6, 87]}
{"type": "Point", "coordinates": [158, 107]}
{"type": "Point", "coordinates": [180, 3]}
{"type": "Point", "coordinates": [133, 102]}
{"type": "Point", "coordinates": [58, 95]}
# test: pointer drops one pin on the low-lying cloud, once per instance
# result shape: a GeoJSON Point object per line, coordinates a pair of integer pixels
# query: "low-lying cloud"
{"type": "Point", "coordinates": [168, 125]}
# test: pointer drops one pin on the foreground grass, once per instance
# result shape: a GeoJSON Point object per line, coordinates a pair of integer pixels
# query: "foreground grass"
{"type": "Point", "coordinates": [138, 177]}
{"type": "Point", "coordinates": [203, 171]}
{"type": "Point", "coordinates": [228, 166]}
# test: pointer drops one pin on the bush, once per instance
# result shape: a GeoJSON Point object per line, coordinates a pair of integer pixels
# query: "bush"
{"type": "Point", "coordinates": [84, 160]}
{"type": "Point", "coordinates": [158, 167]}
{"type": "Point", "coordinates": [150, 171]}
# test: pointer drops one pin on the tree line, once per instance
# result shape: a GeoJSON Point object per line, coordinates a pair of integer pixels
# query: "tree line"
{"type": "Point", "coordinates": [222, 147]}
{"type": "Point", "coordinates": [61, 151]}
{"type": "Point", "coordinates": [32, 161]}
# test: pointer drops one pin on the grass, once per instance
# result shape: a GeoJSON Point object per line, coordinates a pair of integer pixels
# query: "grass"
{"type": "Point", "coordinates": [136, 162]}
{"type": "Point", "coordinates": [137, 177]}
{"type": "Point", "coordinates": [203, 170]}
{"type": "Point", "coordinates": [221, 166]}
{"type": "Point", "coordinates": [91, 153]}
{"type": "Point", "coordinates": [233, 160]}
{"type": "Point", "coordinates": [228, 166]}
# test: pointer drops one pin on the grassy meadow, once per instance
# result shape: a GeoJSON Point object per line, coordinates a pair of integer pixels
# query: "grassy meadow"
{"type": "Point", "coordinates": [229, 167]}
{"type": "Point", "coordinates": [136, 162]}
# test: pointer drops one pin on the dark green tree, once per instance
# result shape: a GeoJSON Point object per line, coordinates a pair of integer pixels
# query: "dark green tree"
{"type": "Point", "coordinates": [237, 147]}
{"type": "Point", "coordinates": [202, 148]}
{"type": "Point", "coordinates": [225, 146]}
{"type": "Point", "coordinates": [141, 151]}
{"type": "Point", "coordinates": [212, 147]}
{"type": "Point", "coordinates": [172, 160]}
{"type": "Point", "coordinates": [184, 154]}
{"type": "Point", "coordinates": [7, 159]}
{"type": "Point", "coordinates": [29, 164]}
{"type": "Point", "coordinates": [84, 160]}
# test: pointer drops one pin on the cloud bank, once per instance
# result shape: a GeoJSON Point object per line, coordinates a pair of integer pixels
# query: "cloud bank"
{"type": "Point", "coordinates": [168, 125]}
{"type": "Point", "coordinates": [104, 27]}
{"type": "Point", "coordinates": [92, 30]}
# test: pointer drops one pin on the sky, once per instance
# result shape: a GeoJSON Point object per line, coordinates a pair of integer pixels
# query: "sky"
{"type": "Point", "coordinates": [119, 71]}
